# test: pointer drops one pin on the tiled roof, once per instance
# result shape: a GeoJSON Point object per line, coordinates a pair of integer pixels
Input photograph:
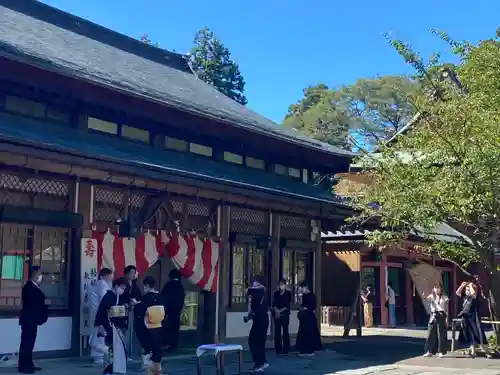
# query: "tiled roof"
{"type": "Point", "coordinates": [51, 39]}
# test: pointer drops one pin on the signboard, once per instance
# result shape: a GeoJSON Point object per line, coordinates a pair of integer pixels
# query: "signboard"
{"type": "Point", "coordinates": [88, 280]}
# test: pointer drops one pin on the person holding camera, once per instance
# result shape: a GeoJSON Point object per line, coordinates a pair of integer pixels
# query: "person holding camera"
{"type": "Point", "coordinates": [258, 314]}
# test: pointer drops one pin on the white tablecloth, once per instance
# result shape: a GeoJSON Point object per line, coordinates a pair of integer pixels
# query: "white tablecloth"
{"type": "Point", "coordinates": [217, 348]}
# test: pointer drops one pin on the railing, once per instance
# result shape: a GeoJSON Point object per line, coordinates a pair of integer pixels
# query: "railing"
{"type": "Point", "coordinates": [334, 315]}
{"type": "Point", "coordinates": [456, 323]}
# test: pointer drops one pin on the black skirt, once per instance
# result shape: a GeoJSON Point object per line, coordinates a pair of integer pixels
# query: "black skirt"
{"type": "Point", "coordinates": [308, 337]}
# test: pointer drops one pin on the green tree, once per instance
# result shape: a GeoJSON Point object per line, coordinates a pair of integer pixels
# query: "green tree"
{"type": "Point", "coordinates": [446, 169]}
{"type": "Point", "coordinates": [212, 62]}
{"type": "Point", "coordinates": [379, 107]}
{"type": "Point", "coordinates": [318, 116]}
{"type": "Point", "coordinates": [372, 108]}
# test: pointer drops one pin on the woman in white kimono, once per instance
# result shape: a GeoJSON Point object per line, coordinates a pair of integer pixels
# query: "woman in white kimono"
{"type": "Point", "coordinates": [103, 284]}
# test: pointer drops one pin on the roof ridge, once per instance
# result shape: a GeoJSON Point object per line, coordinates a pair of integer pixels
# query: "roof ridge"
{"type": "Point", "coordinates": [92, 30]}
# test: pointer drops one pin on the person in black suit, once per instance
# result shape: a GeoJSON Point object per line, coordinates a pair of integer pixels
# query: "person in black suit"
{"type": "Point", "coordinates": [34, 313]}
{"type": "Point", "coordinates": [282, 300]}
{"type": "Point", "coordinates": [173, 296]}
{"type": "Point", "coordinates": [133, 293]}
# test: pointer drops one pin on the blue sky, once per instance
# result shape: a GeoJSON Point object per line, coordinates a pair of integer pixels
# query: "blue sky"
{"type": "Point", "coordinates": [283, 46]}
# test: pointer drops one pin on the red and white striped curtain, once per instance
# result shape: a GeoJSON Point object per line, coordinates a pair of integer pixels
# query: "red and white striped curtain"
{"type": "Point", "coordinates": [197, 259]}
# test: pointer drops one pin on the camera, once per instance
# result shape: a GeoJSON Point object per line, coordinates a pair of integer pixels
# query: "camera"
{"type": "Point", "coordinates": [247, 318]}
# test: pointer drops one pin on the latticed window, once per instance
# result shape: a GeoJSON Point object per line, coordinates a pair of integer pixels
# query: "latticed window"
{"type": "Point", "coordinates": [35, 192]}
{"type": "Point", "coordinates": [297, 266]}
{"type": "Point", "coordinates": [24, 246]}
{"type": "Point", "coordinates": [293, 227]}
{"type": "Point", "coordinates": [250, 222]}
{"type": "Point", "coordinates": [109, 203]}
{"type": "Point", "coordinates": [247, 262]}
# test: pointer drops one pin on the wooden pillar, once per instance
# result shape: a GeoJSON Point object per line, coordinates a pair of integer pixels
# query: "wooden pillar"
{"type": "Point", "coordinates": [224, 282]}
{"type": "Point", "coordinates": [274, 233]}
{"type": "Point", "coordinates": [359, 302]}
{"type": "Point", "coordinates": [83, 205]}
{"type": "Point", "coordinates": [275, 250]}
{"type": "Point", "coordinates": [317, 273]}
{"type": "Point", "coordinates": [453, 288]}
{"type": "Point", "coordinates": [384, 313]}
{"type": "Point", "coordinates": [410, 318]}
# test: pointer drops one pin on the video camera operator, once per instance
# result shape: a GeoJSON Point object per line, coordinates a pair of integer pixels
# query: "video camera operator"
{"type": "Point", "coordinates": [258, 314]}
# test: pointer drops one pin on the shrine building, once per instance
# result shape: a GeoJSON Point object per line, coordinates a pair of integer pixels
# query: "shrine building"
{"type": "Point", "coordinates": [97, 127]}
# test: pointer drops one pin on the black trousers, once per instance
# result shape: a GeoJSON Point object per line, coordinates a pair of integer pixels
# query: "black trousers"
{"type": "Point", "coordinates": [257, 339]}
{"type": "Point", "coordinates": [153, 346]}
{"type": "Point", "coordinates": [28, 338]}
{"type": "Point", "coordinates": [141, 334]}
{"type": "Point", "coordinates": [281, 334]}
{"type": "Point", "coordinates": [436, 334]}
{"type": "Point", "coordinates": [172, 329]}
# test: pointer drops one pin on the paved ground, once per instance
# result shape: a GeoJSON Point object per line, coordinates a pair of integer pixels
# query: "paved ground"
{"type": "Point", "coordinates": [397, 352]}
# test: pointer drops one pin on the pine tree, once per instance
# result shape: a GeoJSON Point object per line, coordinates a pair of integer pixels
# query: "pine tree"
{"type": "Point", "coordinates": [211, 60]}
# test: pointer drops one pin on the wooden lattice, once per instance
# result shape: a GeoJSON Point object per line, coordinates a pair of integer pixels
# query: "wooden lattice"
{"type": "Point", "coordinates": [293, 227]}
{"type": "Point", "coordinates": [250, 222]}
{"type": "Point", "coordinates": [35, 191]}
{"type": "Point", "coordinates": [109, 203]}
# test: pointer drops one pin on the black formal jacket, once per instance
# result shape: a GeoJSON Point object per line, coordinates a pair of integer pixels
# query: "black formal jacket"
{"type": "Point", "coordinates": [34, 311]}
{"type": "Point", "coordinates": [132, 291]}
{"type": "Point", "coordinates": [173, 297]}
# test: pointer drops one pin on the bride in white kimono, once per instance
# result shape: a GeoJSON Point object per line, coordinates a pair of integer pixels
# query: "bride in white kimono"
{"type": "Point", "coordinates": [104, 283]}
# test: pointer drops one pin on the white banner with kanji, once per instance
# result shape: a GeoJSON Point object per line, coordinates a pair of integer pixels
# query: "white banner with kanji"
{"type": "Point", "coordinates": [89, 277]}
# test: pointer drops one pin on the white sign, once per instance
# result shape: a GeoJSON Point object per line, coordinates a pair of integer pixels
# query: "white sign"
{"type": "Point", "coordinates": [88, 279]}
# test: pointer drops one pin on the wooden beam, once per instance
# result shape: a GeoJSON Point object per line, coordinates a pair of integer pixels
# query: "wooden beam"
{"type": "Point", "coordinates": [275, 228]}
{"type": "Point", "coordinates": [22, 159]}
{"type": "Point", "coordinates": [318, 256]}
{"type": "Point", "coordinates": [224, 271]}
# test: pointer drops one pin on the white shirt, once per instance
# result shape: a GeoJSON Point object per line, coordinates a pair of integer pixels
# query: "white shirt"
{"type": "Point", "coordinates": [438, 303]}
{"type": "Point", "coordinates": [98, 291]}
{"type": "Point", "coordinates": [391, 296]}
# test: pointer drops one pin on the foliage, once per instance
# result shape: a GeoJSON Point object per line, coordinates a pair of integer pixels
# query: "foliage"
{"type": "Point", "coordinates": [492, 344]}
{"type": "Point", "coordinates": [446, 170]}
{"type": "Point", "coordinates": [211, 60]}
{"type": "Point", "coordinates": [373, 108]}
{"type": "Point", "coordinates": [145, 39]}
{"type": "Point", "coordinates": [318, 116]}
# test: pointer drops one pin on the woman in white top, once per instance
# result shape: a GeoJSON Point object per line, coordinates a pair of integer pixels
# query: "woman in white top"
{"type": "Point", "coordinates": [98, 291]}
{"type": "Point", "coordinates": [436, 334]}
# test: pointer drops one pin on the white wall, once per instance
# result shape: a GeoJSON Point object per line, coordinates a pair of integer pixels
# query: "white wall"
{"type": "Point", "coordinates": [294, 323]}
{"type": "Point", "coordinates": [53, 335]}
{"type": "Point", "coordinates": [236, 327]}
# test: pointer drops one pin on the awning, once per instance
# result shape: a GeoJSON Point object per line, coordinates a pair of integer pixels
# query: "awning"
{"type": "Point", "coordinates": [441, 232]}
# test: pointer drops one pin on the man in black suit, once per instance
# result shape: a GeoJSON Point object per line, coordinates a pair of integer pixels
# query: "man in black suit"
{"type": "Point", "coordinates": [173, 296]}
{"type": "Point", "coordinates": [34, 313]}
{"type": "Point", "coordinates": [133, 292]}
